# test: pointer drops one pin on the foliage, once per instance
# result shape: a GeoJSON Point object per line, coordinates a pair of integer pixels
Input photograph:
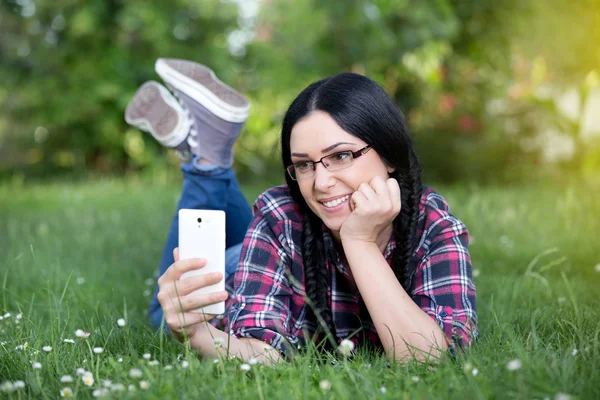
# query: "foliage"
{"type": "Point", "coordinates": [71, 68]}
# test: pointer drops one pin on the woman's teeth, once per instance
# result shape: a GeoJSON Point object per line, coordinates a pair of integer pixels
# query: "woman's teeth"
{"type": "Point", "coordinates": [335, 202]}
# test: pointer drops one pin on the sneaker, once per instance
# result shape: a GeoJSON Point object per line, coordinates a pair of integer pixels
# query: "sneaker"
{"type": "Point", "coordinates": [153, 109]}
{"type": "Point", "coordinates": [217, 110]}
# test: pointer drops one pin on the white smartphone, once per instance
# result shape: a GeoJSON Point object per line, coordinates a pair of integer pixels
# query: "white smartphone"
{"type": "Point", "coordinates": [202, 235]}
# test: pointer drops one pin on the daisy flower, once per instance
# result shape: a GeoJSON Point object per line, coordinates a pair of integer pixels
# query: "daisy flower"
{"type": "Point", "coordinates": [514, 365]}
{"type": "Point", "coordinates": [98, 350]}
{"type": "Point", "coordinates": [100, 392]}
{"type": "Point", "coordinates": [346, 347]}
{"type": "Point", "coordinates": [185, 364]}
{"type": "Point", "coordinates": [47, 348]}
{"type": "Point", "coordinates": [325, 385]}
{"type": "Point", "coordinates": [147, 356]}
{"type": "Point", "coordinates": [121, 322]}
{"type": "Point", "coordinates": [144, 385]}
{"type": "Point", "coordinates": [245, 367]}
{"type": "Point", "coordinates": [135, 373]}
{"type": "Point", "coordinates": [66, 379]}
{"type": "Point", "coordinates": [81, 334]}
{"type": "Point", "coordinates": [88, 379]}
{"type": "Point", "coordinates": [68, 341]}
{"type": "Point", "coordinates": [66, 392]}
{"type": "Point", "coordinates": [36, 365]}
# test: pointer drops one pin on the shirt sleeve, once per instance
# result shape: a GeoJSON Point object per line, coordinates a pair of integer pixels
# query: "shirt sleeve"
{"type": "Point", "coordinates": [259, 306]}
{"type": "Point", "coordinates": [443, 285]}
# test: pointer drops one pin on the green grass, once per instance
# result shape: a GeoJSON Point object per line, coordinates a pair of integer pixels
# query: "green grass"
{"type": "Point", "coordinates": [535, 251]}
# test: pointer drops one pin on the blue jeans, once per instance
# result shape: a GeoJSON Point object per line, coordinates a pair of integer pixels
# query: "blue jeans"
{"type": "Point", "coordinates": [207, 187]}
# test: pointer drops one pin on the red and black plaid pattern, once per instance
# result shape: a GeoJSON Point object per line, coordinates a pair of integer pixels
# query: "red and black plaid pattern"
{"type": "Point", "coordinates": [268, 300]}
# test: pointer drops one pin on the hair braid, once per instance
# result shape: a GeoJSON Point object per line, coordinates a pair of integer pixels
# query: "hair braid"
{"type": "Point", "coordinates": [315, 271]}
{"type": "Point", "coordinates": [405, 225]}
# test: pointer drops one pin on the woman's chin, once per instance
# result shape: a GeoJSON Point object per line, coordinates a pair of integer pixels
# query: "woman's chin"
{"type": "Point", "coordinates": [334, 224]}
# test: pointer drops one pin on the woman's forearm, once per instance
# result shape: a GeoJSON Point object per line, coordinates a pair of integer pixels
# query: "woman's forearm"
{"type": "Point", "coordinates": [403, 328]}
{"type": "Point", "coordinates": [214, 343]}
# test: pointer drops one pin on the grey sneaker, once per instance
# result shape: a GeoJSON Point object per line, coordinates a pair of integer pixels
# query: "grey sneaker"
{"type": "Point", "coordinates": [153, 109]}
{"type": "Point", "coordinates": [217, 110]}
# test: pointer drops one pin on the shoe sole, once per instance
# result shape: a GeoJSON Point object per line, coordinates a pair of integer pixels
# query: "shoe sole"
{"type": "Point", "coordinates": [198, 90]}
{"type": "Point", "coordinates": [154, 109]}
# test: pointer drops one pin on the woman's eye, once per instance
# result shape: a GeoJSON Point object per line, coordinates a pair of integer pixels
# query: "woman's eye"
{"type": "Point", "coordinates": [341, 156]}
{"type": "Point", "coordinates": [303, 167]}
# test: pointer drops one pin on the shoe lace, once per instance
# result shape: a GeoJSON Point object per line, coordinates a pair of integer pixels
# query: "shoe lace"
{"type": "Point", "coordinates": [193, 135]}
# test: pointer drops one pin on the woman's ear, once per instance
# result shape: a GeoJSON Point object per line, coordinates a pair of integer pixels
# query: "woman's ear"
{"type": "Point", "coordinates": [390, 169]}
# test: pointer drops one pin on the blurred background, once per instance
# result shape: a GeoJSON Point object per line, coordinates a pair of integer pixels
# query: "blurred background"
{"type": "Point", "coordinates": [495, 91]}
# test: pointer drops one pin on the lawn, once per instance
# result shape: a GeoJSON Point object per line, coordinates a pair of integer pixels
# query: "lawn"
{"type": "Point", "coordinates": [84, 255]}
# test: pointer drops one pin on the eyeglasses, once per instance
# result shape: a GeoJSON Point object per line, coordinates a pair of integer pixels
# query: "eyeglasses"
{"type": "Point", "coordinates": [333, 162]}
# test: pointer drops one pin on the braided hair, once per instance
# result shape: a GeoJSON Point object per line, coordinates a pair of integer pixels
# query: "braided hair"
{"type": "Point", "coordinates": [363, 109]}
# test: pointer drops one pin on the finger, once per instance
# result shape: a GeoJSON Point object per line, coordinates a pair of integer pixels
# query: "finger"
{"type": "Point", "coordinates": [176, 253]}
{"type": "Point", "coordinates": [379, 186]}
{"type": "Point", "coordinates": [357, 199]}
{"type": "Point", "coordinates": [182, 266]}
{"type": "Point", "coordinates": [188, 285]}
{"type": "Point", "coordinates": [180, 321]}
{"type": "Point", "coordinates": [394, 191]}
{"type": "Point", "coordinates": [195, 301]}
{"type": "Point", "coordinates": [367, 191]}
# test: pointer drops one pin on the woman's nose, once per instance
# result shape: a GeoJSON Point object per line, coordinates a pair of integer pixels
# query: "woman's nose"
{"type": "Point", "coordinates": [324, 179]}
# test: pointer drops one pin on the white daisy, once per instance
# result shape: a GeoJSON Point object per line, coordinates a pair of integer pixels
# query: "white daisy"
{"type": "Point", "coordinates": [144, 385]}
{"type": "Point", "coordinates": [325, 385]}
{"type": "Point", "coordinates": [135, 373]}
{"type": "Point", "coordinates": [117, 387]}
{"type": "Point", "coordinates": [346, 347]}
{"type": "Point", "coordinates": [514, 365]}
{"type": "Point", "coordinates": [81, 334]}
{"type": "Point", "coordinates": [121, 322]}
{"type": "Point", "coordinates": [68, 341]}
{"type": "Point", "coordinates": [98, 350]}
{"type": "Point", "coordinates": [147, 356]}
{"type": "Point", "coordinates": [36, 365]}
{"type": "Point", "coordinates": [66, 392]}
{"type": "Point", "coordinates": [245, 367]}
{"type": "Point", "coordinates": [100, 392]}
{"type": "Point", "coordinates": [18, 384]}
{"type": "Point", "coordinates": [66, 379]}
{"type": "Point", "coordinates": [88, 379]}
{"type": "Point", "coordinates": [185, 364]}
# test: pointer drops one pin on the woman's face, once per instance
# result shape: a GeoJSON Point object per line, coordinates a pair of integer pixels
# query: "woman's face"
{"type": "Point", "coordinates": [327, 193]}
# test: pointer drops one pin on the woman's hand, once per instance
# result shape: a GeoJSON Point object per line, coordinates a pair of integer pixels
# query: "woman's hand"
{"type": "Point", "coordinates": [176, 301]}
{"type": "Point", "coordinates": [374, 207]}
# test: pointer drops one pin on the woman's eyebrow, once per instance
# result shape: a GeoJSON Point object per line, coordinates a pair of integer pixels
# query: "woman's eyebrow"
{"type": "Point", "coordinates": [326, 150]}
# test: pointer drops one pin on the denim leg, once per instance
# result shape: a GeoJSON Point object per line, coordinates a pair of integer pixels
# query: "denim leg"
{"type": "Point", "coordinates": [209, 188]}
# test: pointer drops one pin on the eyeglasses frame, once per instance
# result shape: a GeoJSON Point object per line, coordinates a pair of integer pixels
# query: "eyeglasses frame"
{"type": "Point", "coordinates": [355, 154]}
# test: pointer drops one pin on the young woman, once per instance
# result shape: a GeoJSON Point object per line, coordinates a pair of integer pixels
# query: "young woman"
{"type": "Point", "coordinates": [352, 247]}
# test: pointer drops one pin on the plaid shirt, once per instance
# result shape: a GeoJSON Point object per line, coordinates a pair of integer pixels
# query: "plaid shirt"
{"type": "Point", "coordinates": [268, 299]}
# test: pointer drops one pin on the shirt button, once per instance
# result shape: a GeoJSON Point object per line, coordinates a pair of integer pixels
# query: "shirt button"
{"type": "Point", "coordinates": [443, 313]}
